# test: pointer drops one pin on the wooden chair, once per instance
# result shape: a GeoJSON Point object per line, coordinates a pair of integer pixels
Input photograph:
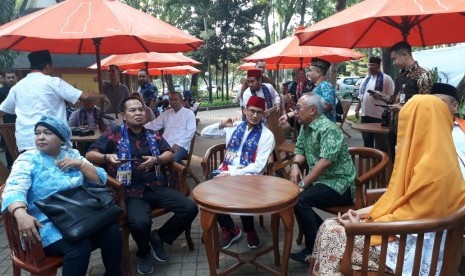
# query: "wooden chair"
{"type": "Point", "coordinates": [31, 257]}
{"type": "Point", "coordinates": [453, 226]}
{"type": "Point", "coordinates": [180, 185]}
{"type": "Point", "coordinates": [187, 159]}
{"type": "Point", "coordinates": [283, 150]}
{"type": "Point", "coordinates": [213, 158]}
{"type": "Point", "coordinates": [8, 134]}
{"type": "Point", "coordinates": [345, 107]}
{"type": "Point", "coordinates": [370, 165]}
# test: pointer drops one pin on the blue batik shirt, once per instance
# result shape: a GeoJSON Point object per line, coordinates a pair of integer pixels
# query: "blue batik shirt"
{"type": "Point", "coordinates": [326, 90]}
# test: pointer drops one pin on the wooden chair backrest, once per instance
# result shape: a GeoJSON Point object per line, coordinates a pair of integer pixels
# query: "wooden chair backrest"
{"type": "Point", "coordinates": [371, 165]}
{"type": "Point", "coordinates": [212, 159]}
{"type": "Point", "coordinates": [188, 157]}
{"type": "Point", "coordinates": [451, 226]}
{"type": "Point", "coordinates": [31, 256]}
{"type": "Point", "coordinates": [272, 121]}
{"type": "Point", "coordinates": [8, 133]}
{"type": "Point", "coordinates": [345, 108]}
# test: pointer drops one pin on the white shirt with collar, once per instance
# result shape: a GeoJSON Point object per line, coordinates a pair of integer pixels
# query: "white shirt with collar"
{"type": "Point", "coordinates": [459, 141]}
{"type": "Point", "coordinates": [36, 95]}
{"type": "Point", "coordinates": [178, 127]}
{"type": "Point", "coordinates": [275, 99]}
{"type": "Point", "coordinates": [264, 148]}
{"type": "Point", "coordinates": [368, 107]}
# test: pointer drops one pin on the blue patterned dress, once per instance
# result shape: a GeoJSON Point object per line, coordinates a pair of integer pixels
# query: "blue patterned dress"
{"type": "Point", "coordinates": [35, 176]}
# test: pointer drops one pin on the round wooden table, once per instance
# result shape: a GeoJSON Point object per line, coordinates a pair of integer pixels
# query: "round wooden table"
{"type": "Point", "coordinates": [247, 195]}
{"type": "Point", "coordinates": [371, 128]}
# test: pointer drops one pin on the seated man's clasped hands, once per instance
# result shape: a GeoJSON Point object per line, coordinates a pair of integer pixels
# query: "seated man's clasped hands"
{"type": "Point", "coordinates": [43, 171]}
{"type": "Point", "coordinates": [426, 172]}
{"type": "Point", "coordinates": [132, 154]}
{"type": "Point", "coordinates": [248, 145]}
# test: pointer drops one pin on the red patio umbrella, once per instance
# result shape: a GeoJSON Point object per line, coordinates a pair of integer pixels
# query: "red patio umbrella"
{"type": "Point", "coordinates": [146, 60]}
{"type": "Point", "coordinates": [174, 70]}
{"type": "Point", "coordinates": [288, 51]}
{"type": "Point", "coordinates": [94, 26]}
{"type": "Point", "coordinates": [382, 23]}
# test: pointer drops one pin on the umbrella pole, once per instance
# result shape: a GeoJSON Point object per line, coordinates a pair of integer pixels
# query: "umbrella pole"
{"type": "Point", "coordinates": [97, 42]}
{"type": "Point", "coordinates": [162, 84]}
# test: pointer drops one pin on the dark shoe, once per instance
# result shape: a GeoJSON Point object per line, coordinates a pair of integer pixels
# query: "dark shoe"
{"type": "Point", "coordinates": [301, 256]}
{"type": "Point", "coordinates": [158, 249]}
{"type": "Point", "coordinates": [144, 265]}
{"type": "Point", "coordinates": [252, 239]}
{"type": "Point", "coordinates": [230, 236]}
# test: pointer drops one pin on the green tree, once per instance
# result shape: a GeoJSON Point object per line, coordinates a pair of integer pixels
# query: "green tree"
{"type": "Point", "coordinates": [7, 8]}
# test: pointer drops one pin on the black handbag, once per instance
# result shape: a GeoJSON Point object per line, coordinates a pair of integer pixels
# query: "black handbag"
{"type": "Point", "coordinates": [80, 211]}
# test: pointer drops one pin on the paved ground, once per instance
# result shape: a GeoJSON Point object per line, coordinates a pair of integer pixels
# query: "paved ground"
{"type": "Point", "coordinates": [183, 261]}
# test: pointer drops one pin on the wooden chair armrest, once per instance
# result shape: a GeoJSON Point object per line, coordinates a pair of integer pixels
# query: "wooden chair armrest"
{"type": "Point", "coordinates": [182, 172]}
{"type": "Point", "coordinates": [120, 197]}
{"type": "Point", "coordinates": [206, 161]}
{"type": "Point", "coordinates": [372, 195]}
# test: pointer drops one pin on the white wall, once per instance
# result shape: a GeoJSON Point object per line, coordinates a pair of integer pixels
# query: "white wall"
{"type": "Point", "coordinates": [450, 62]}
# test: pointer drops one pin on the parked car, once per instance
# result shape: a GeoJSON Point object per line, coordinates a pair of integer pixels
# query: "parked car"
{"type": "Point", "coordinates": [214, 88]}
{"type": "Point", "coordinates": [357, 87]}
{"type": "Point", "coordinates": [345, 87]}
{"type": "Point", "coordinates": [178, 88]}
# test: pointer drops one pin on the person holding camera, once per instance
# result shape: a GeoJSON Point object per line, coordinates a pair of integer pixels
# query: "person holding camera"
{"type": "Point", "coordinates": [374, 88]}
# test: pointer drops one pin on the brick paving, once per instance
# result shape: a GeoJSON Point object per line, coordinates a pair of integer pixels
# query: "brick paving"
{"type": "Point", "coordinates": [183, 261]}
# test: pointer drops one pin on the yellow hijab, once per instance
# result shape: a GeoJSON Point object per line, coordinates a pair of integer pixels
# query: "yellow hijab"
{"type": "Point", "coordinates": [426, 181]}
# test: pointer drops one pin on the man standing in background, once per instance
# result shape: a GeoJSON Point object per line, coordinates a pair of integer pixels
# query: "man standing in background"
{"type": "Point", "coordinates": [115, 90]}
{"type": "Point", "coordinates": [373, 88]}
{"type": "Point", "coordinates": [10, 80]}
{"type": "Point", "coordinates": [40, 94]}
{"type": "Point", "coordinates": [147, 89]}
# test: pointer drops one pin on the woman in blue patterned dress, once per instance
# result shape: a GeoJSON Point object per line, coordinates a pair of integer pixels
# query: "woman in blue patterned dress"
{"type": "Point", "coordinates": [50, 168]}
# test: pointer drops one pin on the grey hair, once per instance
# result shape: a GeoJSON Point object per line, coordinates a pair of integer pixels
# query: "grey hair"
{"type": "Point", "coordinates": [314, 99]}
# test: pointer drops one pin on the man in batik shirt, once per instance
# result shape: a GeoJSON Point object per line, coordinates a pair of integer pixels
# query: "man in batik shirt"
{"type": "Point", "coordinates": [331, 173]}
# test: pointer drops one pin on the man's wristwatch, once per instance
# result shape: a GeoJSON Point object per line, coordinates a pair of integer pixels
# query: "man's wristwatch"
{"type": "Point", "coordinates": [301, 185]}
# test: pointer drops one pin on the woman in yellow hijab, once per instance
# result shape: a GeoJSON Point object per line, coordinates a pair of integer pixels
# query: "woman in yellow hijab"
{"type": "Point", "coordinates": [426, 172]}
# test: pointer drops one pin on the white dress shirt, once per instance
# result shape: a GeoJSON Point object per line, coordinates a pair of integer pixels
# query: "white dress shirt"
{"type": "Point", "coordinates": [36, 95]}
{"type": "Point", "coordinates": [179, 127]}
{"type": "Point", "coordinates": [264, 148]}
{"type": "Point", "coordinates": [275, 99]}
{"type": "Point", "coordinates": [459, 141]}
{"type": "Point", "coordinates": [368, 107]}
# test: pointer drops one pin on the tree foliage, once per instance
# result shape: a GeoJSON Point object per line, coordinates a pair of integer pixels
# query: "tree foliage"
{"type": "Point", "coordinates": [7, 8]}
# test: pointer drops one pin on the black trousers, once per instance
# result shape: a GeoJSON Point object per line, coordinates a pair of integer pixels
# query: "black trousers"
{"type": "Point", "coordinates": [225, 221]}
{"type": "Point", "coordinates": [316, 195]}
{"type": "Point", "coordinates": [140, 222]}
{"type": "Point", "coordinates": [77, 254]}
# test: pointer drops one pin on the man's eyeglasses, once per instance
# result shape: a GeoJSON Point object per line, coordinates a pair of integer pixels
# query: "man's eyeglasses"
{"type": "Point", "coordinates": [255, 112]}
{"type": "Point", "coordinates": [298, 108]}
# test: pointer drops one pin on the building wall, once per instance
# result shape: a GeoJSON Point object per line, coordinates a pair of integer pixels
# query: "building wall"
{"type": "Point", "coordinates": [84, 82]}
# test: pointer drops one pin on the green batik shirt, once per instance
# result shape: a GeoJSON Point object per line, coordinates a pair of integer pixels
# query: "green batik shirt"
{"type": "Point", "coordinates": [324, 139]}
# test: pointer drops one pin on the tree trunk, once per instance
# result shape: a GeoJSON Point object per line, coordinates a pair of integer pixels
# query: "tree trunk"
{"type": "Point", "coordinates": [302, 12]}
